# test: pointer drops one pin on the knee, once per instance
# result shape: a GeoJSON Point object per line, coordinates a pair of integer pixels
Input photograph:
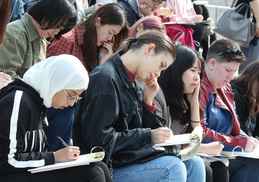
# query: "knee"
{"type": "Point", "coordinates": [195, 165]}
{"type": "Point", "coordinates": [177, 167]}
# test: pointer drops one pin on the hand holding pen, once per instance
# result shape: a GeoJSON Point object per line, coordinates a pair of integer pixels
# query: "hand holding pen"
{"type": "Point", "coordinates": [3, 68]}
{"type": "Point", "coordinates": [68, 153]}
{"type": "Point", "coordinates": [222, 141]}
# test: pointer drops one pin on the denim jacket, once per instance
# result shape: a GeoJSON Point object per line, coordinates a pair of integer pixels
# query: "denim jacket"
{"type": "Point", "coordinates": [132, 10]}
{"type": "Point", "coordinates": [111, 105]}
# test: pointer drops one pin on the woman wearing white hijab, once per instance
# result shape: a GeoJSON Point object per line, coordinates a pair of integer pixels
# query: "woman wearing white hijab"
{"type": "Point", "coordinates": [55, 82]}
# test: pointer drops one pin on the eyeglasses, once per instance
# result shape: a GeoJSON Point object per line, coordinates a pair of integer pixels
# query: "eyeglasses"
{"type": "Point", "coordinates": [73, 98]}
{"type": "Point", "coordinates": [233, 52]}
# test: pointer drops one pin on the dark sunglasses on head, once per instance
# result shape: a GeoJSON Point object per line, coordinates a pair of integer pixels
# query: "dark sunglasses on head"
{"type": "Point", "coordinates": [233, 52]}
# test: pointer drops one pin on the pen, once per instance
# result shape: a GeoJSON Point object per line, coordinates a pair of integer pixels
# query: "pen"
{"type": "Point", "coordinates": [222, 141]}
{"type": "Point", "coordinates": [3, 68]}
{"type": "Point", "coordinates": [62, 141]}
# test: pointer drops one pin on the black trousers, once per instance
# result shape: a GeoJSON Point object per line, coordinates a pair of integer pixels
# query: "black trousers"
{"type": "Point", "coordinates": [216, 172]}
{"type": "Point", "coordinates": [96, 172]}
{"type": "Point", "coordinates": [203, 10]}
{"type": "Point", "coordinates": [198, 31]}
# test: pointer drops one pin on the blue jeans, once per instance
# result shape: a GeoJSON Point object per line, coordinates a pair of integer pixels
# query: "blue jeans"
{"type": "Point", "coordinates": [162, 169]}
{"type": "Point", "coordinates": [195, 169]}
{"type": "Point", "coordinates": [60, 124]}
{"type": "Point", "coordinates": [244, 169]}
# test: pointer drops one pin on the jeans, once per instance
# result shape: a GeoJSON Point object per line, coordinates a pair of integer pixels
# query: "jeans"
{"type": "Point", "coordinates": [244, 169]}
{"type": "Point", "coordinates": [162, 169]}
{"type": "Point", "coordinates": [195, 170]}
{"type": "Point", "coordinates": [60, 124]}
{"type": "Point", "coordinates": [16, 11]}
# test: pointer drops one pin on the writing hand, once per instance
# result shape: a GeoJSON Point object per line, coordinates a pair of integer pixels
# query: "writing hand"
{"type": "Point", "coordinates": [160, 135]}
{"type": "Point", "coordinates": [69, 153]}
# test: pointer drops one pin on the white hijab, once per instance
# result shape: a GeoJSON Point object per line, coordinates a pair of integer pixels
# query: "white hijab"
{"type": "Point", "coordinates": [56, 73]}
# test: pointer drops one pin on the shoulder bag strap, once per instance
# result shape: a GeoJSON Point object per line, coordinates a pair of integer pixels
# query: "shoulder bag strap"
{"type": "Point", "coordinates": [111, 149]}
{"type": "Point", "coordinates": [233, 4]}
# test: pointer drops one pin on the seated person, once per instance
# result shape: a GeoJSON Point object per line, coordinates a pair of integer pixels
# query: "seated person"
{"type": "Point", "coordinates": [220, 121]}
{"type": "Point", "coordinates": [146, 24]}
{"type": "Point", "coordinates": [92, 42]}
{"type": "Point", "coordinates": [246, 89]}
{"type": "Point", "coordinates": [124, 121]}
{"type": "Point", "coordinates": [24, 41]}
{"type": "Point", "coordinates": [183, 11]}
{"type": "Point", "coordinates": [178, 102]}
{"type": "Point", "coordinates": [136, 9]}
{"type": "Point", "coordinates": [57, 81]}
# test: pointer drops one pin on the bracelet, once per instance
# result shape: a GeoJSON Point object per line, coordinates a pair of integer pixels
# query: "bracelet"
{"type": "Point", "coordinates": [195, 121]}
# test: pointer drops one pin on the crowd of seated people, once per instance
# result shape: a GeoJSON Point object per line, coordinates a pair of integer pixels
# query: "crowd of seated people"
{"type": "Point", "coordinates": [114, 75]}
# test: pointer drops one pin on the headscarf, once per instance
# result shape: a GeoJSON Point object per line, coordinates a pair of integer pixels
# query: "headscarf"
{"type": "Point", "coordinates": [55, 73]}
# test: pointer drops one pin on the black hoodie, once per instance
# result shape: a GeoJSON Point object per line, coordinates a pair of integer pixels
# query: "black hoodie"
{"type": "Point", "coordinates": [22, 137]}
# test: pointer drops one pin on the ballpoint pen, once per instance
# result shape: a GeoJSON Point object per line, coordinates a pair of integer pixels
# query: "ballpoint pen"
{"type": "Point", "coordinates": [62, 141]}
{"type": "Point", "coordinates": [3, 68]}
{"type": "Point", "coordinates": [222, 141]}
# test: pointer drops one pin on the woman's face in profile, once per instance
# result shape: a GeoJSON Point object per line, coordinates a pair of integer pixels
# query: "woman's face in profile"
{"type": "Point", "coordinates": [65, 98]}
{"type": "Point", "coordinates": [191, 77]}
{"type": "Point", "coordinates": [105, 33]}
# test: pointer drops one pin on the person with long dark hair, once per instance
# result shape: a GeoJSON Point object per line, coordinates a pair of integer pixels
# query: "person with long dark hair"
{"type": "Point", "coordinates": [92, 42]}
{"type": "Point", "coordinates": [94, 39]}
{"type": "Point", "coordinates": [246, 89]}
{"type": "Point", "coordinates": [178, 102]}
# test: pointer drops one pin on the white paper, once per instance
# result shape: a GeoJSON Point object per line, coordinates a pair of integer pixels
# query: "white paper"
{"type": "Point", "coordinates": [193, 137]}
{"type": "Point", "coordinates": [254, 154]}
{"type": "Point", "coordinates": [84, 159]}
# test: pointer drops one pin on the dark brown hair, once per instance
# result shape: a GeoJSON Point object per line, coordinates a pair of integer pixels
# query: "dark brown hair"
{"type": "Point", "coordinates": [245, 83]}
{"type": "Point", "coordinates": [221, 45]}
{"type": "Point", "coordinates": [161, 41]}
{"type": "Point", "coordinates": [172, 84]}
{"type": "Point", "coordinates": [4, 17]}
{"type": "Point", "coordinates": [112, 14]}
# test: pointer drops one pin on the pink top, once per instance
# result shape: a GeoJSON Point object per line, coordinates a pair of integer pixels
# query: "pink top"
{"type": "Point", "coordinates": [183, 10]}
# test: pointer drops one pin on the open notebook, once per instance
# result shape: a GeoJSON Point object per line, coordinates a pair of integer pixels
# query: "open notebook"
{"type": "Point", "coordinates": [84, 159]}
{"type": "Point", "coordinates": [193, 137]}
{"type": "Point", "coordinates": [254, 154]}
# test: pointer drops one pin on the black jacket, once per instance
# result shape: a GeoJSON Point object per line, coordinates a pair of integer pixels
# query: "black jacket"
{"type": "Point", "coordinates": [22, 138]}
{"type": "Point", "coordinates": [110, 105]}
{"type": "Point", "coordinates": [242, 110]}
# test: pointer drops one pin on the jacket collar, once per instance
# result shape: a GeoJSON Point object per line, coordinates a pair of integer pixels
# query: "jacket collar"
{"type": "Point", "coordinates": [122, 72]}
{"type": "Point", "coordinates": [31, 30]}
{"type": "Point", "coordinates": [225, 91]}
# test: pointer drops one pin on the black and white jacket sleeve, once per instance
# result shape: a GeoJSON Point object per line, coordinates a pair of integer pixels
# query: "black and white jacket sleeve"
{"type": "Point", "coordinates": [22, 138]}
